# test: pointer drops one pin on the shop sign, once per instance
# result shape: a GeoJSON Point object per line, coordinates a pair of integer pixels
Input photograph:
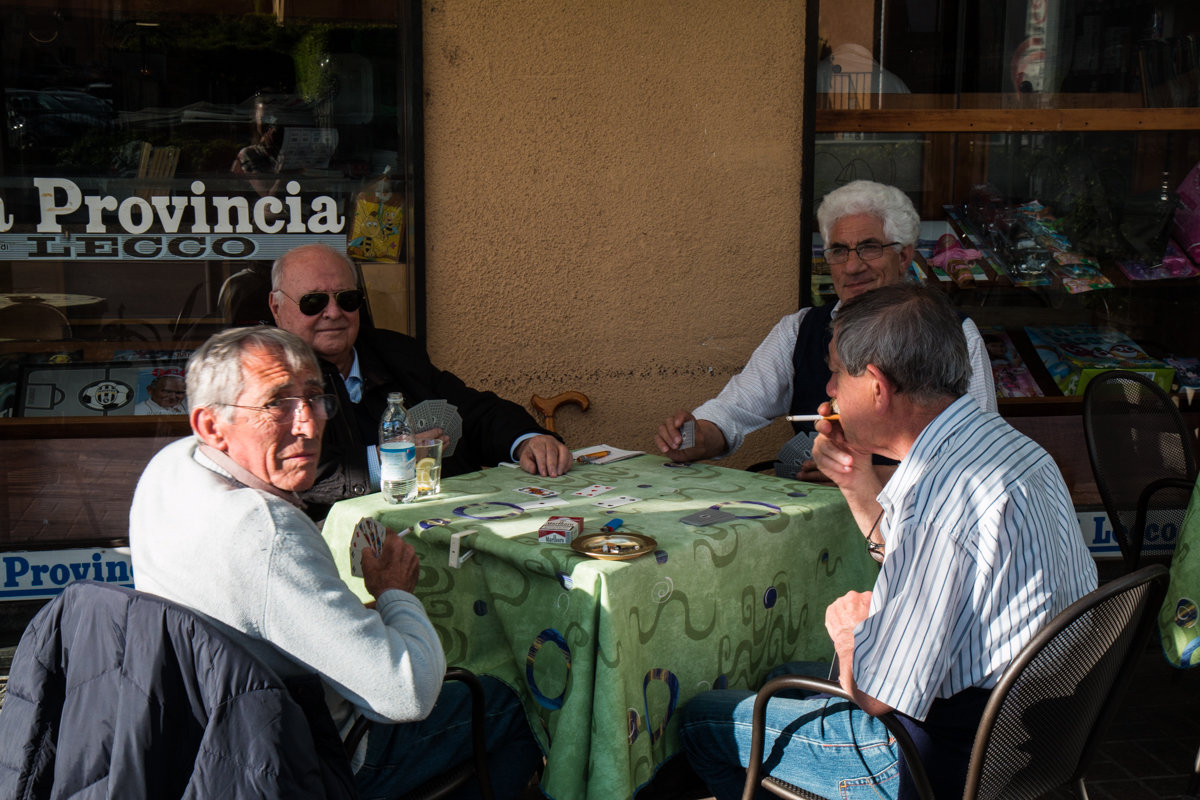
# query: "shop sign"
{"type": "Point", "coordinates": [1160, 537]}
{"type": "Point", "coordinates": [40, 574]}
{"type": "Point", "coordinates": [192, 227]}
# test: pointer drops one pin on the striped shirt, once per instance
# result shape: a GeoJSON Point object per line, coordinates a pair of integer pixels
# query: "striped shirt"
{"type": "Point", "coordinates": [762, 391]}
{"type": "Point", "coordinates": [983, 549]}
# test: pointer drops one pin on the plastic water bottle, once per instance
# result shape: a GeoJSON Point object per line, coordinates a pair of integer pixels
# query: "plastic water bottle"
{"type": "Point", "coordinates": [397, 453]}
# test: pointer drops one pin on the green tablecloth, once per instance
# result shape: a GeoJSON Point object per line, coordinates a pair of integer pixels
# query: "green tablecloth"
{"type": "Point", "coordinates": [604, 653]}
{"type": "Point", "coordinates": [1177, 621]}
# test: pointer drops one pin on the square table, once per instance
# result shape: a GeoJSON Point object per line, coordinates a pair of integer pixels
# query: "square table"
{"type": "Point", "coordinates": [604, 652]}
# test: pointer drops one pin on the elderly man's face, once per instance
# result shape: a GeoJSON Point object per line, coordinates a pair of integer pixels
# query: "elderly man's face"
{"type": "Point", "coordinates": [284, 453]}
{"type": "Point", "coordinates": [854, 399]}
{"type": "Point", "coordinates": [332, 331]}
{"type": "Point", "coordinates": [857, 276]}
{"type": "Point", "coordinates": [168, 392]}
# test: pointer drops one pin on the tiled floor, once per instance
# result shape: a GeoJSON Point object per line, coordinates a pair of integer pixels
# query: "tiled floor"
{"type": "Point", "coordinates": [1148, 753]}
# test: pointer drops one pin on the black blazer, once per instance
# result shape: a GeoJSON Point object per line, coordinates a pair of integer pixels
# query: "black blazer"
{"type": "Point", "coordinates": [392, 362]}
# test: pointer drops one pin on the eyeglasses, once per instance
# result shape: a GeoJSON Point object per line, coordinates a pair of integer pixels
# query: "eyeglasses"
{"type": "Point", "coordinates": [285, 409]}
{"type": "Point", "coordinates": [867, 251]}
{"type": "Point", "coordinates": [314, 303]}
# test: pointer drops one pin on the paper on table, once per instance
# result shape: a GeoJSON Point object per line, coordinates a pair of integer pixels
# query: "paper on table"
{"type": "Point", "coordinates": [603, 454]}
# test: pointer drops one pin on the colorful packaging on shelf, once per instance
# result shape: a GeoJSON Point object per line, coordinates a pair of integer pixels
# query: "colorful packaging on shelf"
{"type": "Point", "coordinates": [1074, 354]}
{"type": "Point", "coordinates": [1185, 225]}
{"type": "Point", "coordinates": [1009, 372]}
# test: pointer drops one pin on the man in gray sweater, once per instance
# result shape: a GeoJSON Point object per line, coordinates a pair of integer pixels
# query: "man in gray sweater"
{"type": "Point", "coordinates": [216, 525]}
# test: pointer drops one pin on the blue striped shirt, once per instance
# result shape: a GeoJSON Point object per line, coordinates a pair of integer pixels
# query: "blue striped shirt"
{"type": "Point", "coordinates": [983, 549]}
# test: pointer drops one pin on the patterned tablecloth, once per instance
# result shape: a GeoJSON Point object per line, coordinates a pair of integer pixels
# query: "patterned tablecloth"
{"type": "Point", "coordinates": [605, 652]}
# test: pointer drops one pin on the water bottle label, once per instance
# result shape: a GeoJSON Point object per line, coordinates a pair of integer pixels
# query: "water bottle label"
{"type": "Point", "coordinates": [396, 461]}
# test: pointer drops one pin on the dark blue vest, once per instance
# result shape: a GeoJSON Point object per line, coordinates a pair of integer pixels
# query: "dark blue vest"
{"type": "Point", "coordinates": [810, 367]}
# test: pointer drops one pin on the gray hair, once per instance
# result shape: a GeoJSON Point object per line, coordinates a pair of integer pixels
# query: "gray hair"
{"type": "Point", "coordinates": [910, 333]}
{"type": "Point", "coordinates": [281, 263]}
{"type": "Point", "coordinates": [214, 372]}
{"type": "Point", "coordinates": [901, 223]}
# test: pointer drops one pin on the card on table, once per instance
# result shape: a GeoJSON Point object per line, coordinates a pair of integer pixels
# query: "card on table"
{"type": "Point", "coordinates": [709, 516]}
{"type": "Point", "coordinates": [545, 502]}
{"type": "Point", "coordinates": [593, 490]}
{"type": "Point", "coordinates": [619, 500]}
{"type": "Point", "coordinates": [687, 432]}
{"type": "Point", "coordinates": [537, 491]}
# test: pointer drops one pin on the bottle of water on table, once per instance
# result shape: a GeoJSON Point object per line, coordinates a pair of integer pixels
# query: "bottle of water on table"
{"type": "Point", "coordinates": [397, 451]}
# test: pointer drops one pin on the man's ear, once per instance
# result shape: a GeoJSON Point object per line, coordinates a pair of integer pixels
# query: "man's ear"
{"type": "Point", "coordinates": [209, 428]}
{"type": "Point", "coordinates": [273, 304]}
{"type": "Point", "coordinates": [883, 391]}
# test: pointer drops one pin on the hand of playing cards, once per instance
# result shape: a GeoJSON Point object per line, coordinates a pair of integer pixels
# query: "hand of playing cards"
{"type": "Point", "coordinates": [437, 413]}
{"type": "Point", "coordinates": [367, 533]}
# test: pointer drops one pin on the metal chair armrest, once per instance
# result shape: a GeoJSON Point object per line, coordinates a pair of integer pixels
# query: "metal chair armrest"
{"type": "Point", "coordinates": [908, 748]}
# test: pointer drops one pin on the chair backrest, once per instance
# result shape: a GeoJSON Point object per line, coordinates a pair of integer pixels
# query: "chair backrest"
{"type": "Point", "coordinates": [1048, 713]}
{"type": "Point", "coordinates": [1135, 436]}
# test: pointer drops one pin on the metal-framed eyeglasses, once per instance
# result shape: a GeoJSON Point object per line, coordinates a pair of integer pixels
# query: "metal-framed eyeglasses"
{"type": "Point", "coordinates": [313, 303]}
{"type": "Point", "coordinates": [867, 251]}
{"type": "Point", "coordinates": [285, 409]}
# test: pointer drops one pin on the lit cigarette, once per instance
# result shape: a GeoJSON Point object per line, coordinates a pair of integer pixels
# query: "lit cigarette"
{"type": "Point", "coordinates": [810, 417]}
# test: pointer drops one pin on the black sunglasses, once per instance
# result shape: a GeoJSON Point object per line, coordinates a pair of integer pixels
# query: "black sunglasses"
{"type": "Point", "coordinates": [314, 303]}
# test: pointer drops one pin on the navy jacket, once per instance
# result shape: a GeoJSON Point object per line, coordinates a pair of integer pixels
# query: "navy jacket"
{"type": "Point", "coordinates": [116, 693]}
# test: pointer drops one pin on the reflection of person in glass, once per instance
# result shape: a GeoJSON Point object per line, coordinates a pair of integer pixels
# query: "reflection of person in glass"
{"type": "Point", "coordinates": [168, 395]}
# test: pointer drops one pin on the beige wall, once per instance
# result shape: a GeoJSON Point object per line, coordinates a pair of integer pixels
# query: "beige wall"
{"type": "Point", "coordinates": [613, 200]}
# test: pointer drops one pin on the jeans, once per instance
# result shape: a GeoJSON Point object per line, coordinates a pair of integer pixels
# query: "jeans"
{"type": "Point", "coordinates": [402, 756]}
{"type": "Point", "coordinates": [823, 744]}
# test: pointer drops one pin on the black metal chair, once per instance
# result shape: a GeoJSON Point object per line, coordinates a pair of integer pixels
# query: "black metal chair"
{"type": "Point", "coordinates": [1143, 459]}
{"type": "Point", "coordinates": [1046, 716]}
{"type": "Point", "coordinates": [443, 785]}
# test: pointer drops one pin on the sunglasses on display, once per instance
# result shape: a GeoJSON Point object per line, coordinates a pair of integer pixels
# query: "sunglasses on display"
{"type": "Point", "coordinates": [314, 303]}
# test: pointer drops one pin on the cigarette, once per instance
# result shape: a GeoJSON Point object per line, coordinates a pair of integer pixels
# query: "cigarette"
{"type": "Point", "coordinates": [810, 417]}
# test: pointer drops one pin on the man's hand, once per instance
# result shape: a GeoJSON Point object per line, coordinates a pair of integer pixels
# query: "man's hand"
{"type": "Point", "coordinates": [544, 455]}
{"type": "Point", "coordinates": [842, 616]}
{"type": "Point", "coordinates": [396, 568]}
{"type": "Point", "coordinates": [710, 442]}
{"type": "Point", "coordinates": [435, 433]}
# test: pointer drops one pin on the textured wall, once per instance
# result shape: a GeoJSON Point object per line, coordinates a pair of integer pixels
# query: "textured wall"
{"type": "Point", "coordinates": [613, 200]}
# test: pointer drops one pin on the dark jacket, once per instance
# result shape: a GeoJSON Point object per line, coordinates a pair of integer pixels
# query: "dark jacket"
{"type": "Point", "coordinates": [116, 693]}
{"type": "Point", "coordinates": [393, 362]}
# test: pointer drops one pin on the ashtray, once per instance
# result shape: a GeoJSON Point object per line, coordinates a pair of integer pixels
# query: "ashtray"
{"type": "Point", "coordinates": [615, 546]}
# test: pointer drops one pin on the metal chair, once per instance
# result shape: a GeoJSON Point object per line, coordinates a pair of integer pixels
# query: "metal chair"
{"type": "Point", "coordinates": [444, 784]}
{"type": "Point", "coordinates": [1046, 717]}
{"type": "Point", "coordinates": [1143, 459]}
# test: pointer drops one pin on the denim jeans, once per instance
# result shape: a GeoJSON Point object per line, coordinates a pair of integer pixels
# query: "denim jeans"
{"type": "Point", "coordinates": [401, 757]}
{"type": "Point", "coordinates": [823, 744]}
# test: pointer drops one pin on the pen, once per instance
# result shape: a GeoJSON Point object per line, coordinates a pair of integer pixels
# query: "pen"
{"type": "Point", "coordinates": [613, 524]}
{"type": "Point", "coordinates": [810, 417]}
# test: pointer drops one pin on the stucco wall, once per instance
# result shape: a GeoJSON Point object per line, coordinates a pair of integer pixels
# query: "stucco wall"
{"type": "Point", "coordinates": [612, 201]}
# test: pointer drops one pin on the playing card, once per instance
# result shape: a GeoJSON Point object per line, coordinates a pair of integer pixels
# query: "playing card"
{"type": "Point", "coordinates": [358, 541]}
{"type": "Point", "coordinates": [794, 453]}
{"type": "Point", "coordinates": [537, 491]}
{"type": "Point", "coordinates": [545, 502]}
{"type": "Point", "coordinates": [437, 413]}
{"type": "Point", "coordinates": [619, 500]}
{"type": "Point", "coordinates": [709, 516]}
{"type": "Point", "coordinates": [593, 490]}
{"type": "Point", "coordinates": [688, 433]}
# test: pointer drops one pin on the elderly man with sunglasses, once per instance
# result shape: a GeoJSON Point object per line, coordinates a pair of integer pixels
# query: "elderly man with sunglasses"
{"type": "Point", "coordinates": [315, 295]}
{"type": "Point", "coordinates": [216, 525]}
{"type": "Point", "coordinates": [870, 231]}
